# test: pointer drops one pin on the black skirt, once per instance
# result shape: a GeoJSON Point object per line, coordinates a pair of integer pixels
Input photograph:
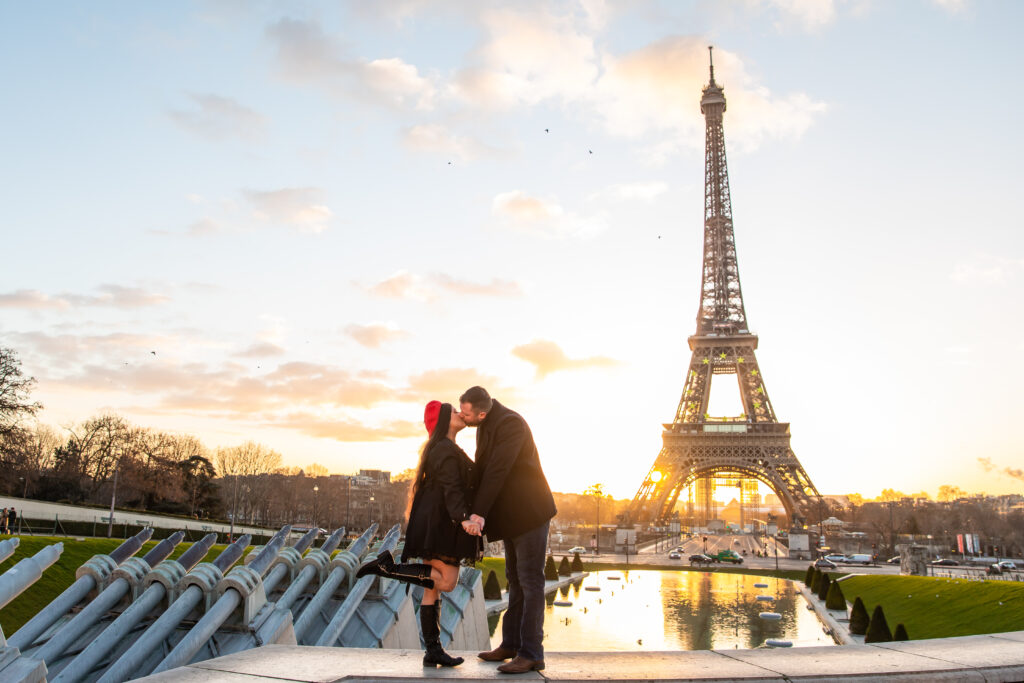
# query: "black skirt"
{"type": "Point", "coordinates": [439, 507]}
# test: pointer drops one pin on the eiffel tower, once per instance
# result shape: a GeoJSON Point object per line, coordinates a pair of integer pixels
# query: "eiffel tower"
{"type": "Point", "coordinates": [697, 445]}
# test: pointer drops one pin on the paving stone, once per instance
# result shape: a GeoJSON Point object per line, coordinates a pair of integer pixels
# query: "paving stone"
{"type": "Point", "coordinates": [811, 663]}
{"type": "Point", "coordinates": [697, 665]}
{"type": "Point", "coordinates": [327, 664]}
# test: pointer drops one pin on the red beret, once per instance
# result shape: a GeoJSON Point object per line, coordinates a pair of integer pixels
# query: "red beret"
{"type": "Point", "coordinates": [431, 415]}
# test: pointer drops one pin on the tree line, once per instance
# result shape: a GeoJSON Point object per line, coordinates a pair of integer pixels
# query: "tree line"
{"type": "Point", "coordinates": [158, 471]}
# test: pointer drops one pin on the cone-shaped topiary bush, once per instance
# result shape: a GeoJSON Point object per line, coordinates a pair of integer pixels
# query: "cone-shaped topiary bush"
{"type": "Point", "coordinates": [900, 633]}
{"type": "Point", "coordinates": [577, 563]}
{"type": "Point", "coordinates": [492, 589]}
{"type": "Point", "coordinates": [816, 582]}
{"type": "Point", "coordinates": [878, 629]}
{"type": "Point", "coordinates": [823, 586]}
{"type": "Point", "coordinates": [859, 618]}
{"type": "Point", "coordinates": [835, 598]}
{"type": "Point", "coordinates": [809, 576]}
{"type": "Point", "coordinates": [550, 570]}
{"type": "Point", "coordinates": [563, 567]}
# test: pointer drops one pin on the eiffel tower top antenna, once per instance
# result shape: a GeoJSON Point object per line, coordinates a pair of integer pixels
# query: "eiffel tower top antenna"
{"type": "Point", "coordinates": [711, 61]}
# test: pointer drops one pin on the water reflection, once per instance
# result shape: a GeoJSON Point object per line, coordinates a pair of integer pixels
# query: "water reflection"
{"type": "Point", "coordinates": [675, 610]}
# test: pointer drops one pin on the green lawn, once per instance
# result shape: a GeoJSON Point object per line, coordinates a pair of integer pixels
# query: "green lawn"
{"type": "Point", "coordinates": [931, 607]}
{"type": "Point", "coordinates": [62, 573]}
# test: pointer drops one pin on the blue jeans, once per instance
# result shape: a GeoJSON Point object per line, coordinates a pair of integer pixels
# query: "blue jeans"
{"type": "Point", "coordinates": [522, 627]}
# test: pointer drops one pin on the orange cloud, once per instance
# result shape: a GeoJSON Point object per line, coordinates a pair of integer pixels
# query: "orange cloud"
{"type": "Point", "coordinates": [113, 296]}
{"type": "Point", "coordinates": [547, 357]}
{"type": "Point", "coordinates": [406, 285]}
{"type": "Point", "coordinates": [375, 335]}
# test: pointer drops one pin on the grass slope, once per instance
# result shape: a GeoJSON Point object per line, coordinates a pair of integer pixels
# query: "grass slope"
{"type": "Point", "coordinates": [933, 607]}
{"type": "Point", "coordinates": [62, 573]}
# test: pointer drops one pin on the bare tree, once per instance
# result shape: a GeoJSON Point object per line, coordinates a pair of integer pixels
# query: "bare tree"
{"type": "Point", "coordinates": [15, 390]}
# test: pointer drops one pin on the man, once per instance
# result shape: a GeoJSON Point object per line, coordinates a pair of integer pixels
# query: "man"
{"type": "Point", "coordinates": [512, 503]}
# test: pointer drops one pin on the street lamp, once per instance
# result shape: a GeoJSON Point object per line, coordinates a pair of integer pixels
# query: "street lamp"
{"type": "Point", "coordinates": [316, 496]}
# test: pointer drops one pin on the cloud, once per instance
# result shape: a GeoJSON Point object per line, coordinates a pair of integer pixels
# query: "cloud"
{"type": "Point", "coordinates": [347, 430]}
{"type": "Point", "coordinates": [529, 55]}
{"type": "Point", "coordinates": [437, 139]}
{"type": "Point", "coordinates": [652, 91]}
{"type": "Point", "coordinates": [375, 335]}
{"type": "Point", "coordinates": [447, 384]}
{"type": "Point", "coordinates": [547, 357]}
{"type": "Point", "coordinates": [1012, 472]}
{"type": "Point", "coordinates": [544, 217]}
{"type": "Point", "coordinates": [305, 54]}
{"type": "Point", "coordinates": [217, 118]}
{"type": "Point", "coordinates": [986, 269]}
{"type": "Point", "coordinates": [556, 55]}
{"type": "Point", "coordinates": [810, 15]}
{"type": "Point", "coordinates": [112, 296]}
{"type": "Point", "coordinates": [952, 6]}
{"type": "Point", "coordinates": [261, 350]}
{"type": "Point", "coordinates": [301, 207]}
{"type": "Point", "coordinates": [429, 288]}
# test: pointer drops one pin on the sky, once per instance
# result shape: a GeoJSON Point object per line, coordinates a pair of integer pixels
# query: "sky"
{"type": "Point", "coordinates": [297, 222]}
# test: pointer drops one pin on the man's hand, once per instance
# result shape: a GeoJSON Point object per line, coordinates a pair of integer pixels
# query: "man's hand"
{"type": "Point", "coordinates": [478, 520]}
{"type": "Point", "coordinates": [471, 528]}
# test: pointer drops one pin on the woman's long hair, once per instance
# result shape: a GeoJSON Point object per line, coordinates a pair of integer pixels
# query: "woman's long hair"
{"type": "Point", "coordinates": [440, 433]}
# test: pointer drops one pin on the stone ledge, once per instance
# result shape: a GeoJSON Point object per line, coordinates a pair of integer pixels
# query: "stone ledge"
{"type": "Point", "coordinates": [995, 657]}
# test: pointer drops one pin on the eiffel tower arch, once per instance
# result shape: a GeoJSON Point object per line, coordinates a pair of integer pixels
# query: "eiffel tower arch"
{"type": "Point", "coordinates": [754, 445]}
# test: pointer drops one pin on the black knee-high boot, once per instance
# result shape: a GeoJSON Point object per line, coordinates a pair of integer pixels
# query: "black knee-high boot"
{"type": "Point", "coordinates": [430, 622]}
{"type": "Point", "coordinates": [384, 565]}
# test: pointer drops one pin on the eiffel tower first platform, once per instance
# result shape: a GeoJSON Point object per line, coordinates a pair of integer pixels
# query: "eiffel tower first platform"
{"type": "Point", "coordinates": [696, 445]}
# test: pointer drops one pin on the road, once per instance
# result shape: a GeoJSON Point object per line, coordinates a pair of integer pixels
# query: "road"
{"type": "Point", "coordinates": [657, 555]}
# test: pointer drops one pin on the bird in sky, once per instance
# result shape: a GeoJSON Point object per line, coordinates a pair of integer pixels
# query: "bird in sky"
{"type": "Point", "coordinates": [591, 151]}
{"type": "Point", "coordinates": [546, 130]}
{"type": "Point", "coordinates": [153, 352]}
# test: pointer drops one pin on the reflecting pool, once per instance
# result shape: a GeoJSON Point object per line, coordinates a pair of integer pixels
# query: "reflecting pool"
{"type": "Point", "coordinates": [675, 610]}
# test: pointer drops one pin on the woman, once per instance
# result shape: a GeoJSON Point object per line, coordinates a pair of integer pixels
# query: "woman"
{"type": "Point", "coordinates": [439, 529]}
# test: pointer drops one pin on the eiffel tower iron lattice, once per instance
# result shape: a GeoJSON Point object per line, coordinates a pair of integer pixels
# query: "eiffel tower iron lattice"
{"type": "Point", "coordinates": [695, 445]}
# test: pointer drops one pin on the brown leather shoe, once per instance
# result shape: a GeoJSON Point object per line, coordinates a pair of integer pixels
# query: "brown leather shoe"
{"type": "Point", "coordinates": [498, 654]}
{"type": "Point", "coordinates": [521, 665]}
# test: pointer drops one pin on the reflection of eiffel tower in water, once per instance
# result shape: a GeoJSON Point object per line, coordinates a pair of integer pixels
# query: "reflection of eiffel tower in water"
{"type": "Point", "coordinates": [696, 446]}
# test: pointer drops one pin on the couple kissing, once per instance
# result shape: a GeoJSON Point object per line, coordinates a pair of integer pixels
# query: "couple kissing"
{"type": "Point", "coordinates": [455, 501]}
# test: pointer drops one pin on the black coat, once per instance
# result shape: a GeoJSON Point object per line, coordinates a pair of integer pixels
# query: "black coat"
{"type": "Point", "coordinates": [440, 505]}
{"type": "Point", "coordinates": [511, 492]}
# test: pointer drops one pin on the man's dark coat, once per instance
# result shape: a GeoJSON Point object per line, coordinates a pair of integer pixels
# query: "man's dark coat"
{"type": "Point", "coordinates": [512, 494]}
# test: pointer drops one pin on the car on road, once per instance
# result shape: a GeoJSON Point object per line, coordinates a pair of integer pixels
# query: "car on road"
{"type": "Point", "coordinates": [577, 549]}
{"type": "Point", "coordinates": [726, 556]}
{"type": "Point", "coordinates": [824, 564]}
{"type": "Point", "coordinates": [1006, 565]}
{"type": "Point", "coordinates": [945, 562]}
{"type": "Point", "coordinates": [700, 558]}
{"type": "Point", "coordinates": [893, 560]}
{"type": "Point", "coordinates": [838, 559]}
{"type": "Point", "coordinates": [674, 556]}
{"type": "Point", "coordinates": [859, 558]}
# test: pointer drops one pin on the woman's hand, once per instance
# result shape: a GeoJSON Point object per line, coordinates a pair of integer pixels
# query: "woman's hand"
{"type": "Point", "coordinates": [471, 528]}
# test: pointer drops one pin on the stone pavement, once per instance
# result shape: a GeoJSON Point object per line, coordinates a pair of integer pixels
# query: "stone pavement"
{"type": "Point", "coordinates": [988, 658]}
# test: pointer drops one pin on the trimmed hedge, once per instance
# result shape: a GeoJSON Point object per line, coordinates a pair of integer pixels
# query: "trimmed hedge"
{"type": "Point", "coordinates": [550, 570]}
{"type": "Point", "coordinates": [900, 633]}
{"type": "Point", "coordinates": [835, 598]}
{"type": "Point", "coordinates": [809, 576]}
{"type": "Point", "coordinates": [859, 619]}
{"type": "Point", "coordinates": [878, 629]}
{"type": "Point", "coordinates": [823, 586]}
{"type": "Point", "coordinates": [577, 563]}
{"type": "Point", "coordinates": [492, 589]}
{"type": "Point", "coordinates": [563, 567]}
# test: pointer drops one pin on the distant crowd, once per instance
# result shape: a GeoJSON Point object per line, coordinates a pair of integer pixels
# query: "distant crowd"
{"type": "Point", "coordinates": [8, 521]}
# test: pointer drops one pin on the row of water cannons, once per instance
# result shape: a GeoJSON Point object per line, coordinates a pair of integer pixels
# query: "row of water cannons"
{"type": "Point", "coordinates": [118, 619]}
